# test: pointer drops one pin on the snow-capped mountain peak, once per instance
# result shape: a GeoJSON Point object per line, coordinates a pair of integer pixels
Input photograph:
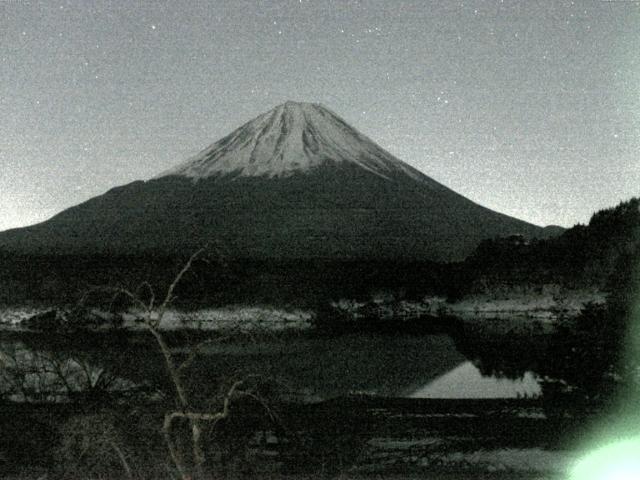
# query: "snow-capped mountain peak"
{"type": "Point", "coordinates": [293, 137]}
{"type": "Point", "coordinates": [294, 183]}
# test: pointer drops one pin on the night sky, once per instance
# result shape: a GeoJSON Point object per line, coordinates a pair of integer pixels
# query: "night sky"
{"type": "Point", "coordinates": [530, 108]}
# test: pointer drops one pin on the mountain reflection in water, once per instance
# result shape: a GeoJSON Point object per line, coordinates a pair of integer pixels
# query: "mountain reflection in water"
{"type": "Point", "coordinates": [304, 368]}
{"type": "Point", "coordinates": [466, 381]}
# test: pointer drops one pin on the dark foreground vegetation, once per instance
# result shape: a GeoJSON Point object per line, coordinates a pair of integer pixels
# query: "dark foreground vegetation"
{"type": "Point", "coordinates": [362, 435]}
{"type": "Point", "coordinates": [62, 280]}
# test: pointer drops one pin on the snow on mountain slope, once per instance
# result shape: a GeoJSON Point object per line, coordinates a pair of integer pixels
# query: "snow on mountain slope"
{"type": "Point", "coordinates": [296, 182]}
{"type": "Point", "coordinates": [292, 137]}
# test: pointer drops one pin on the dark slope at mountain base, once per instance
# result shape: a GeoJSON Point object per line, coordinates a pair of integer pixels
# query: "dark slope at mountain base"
{"type": "Point", "coordinates": [333, 212]}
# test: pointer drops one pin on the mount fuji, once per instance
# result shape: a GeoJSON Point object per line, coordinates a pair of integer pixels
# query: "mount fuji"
{"type": "Point", "coordinates": [296, 182]}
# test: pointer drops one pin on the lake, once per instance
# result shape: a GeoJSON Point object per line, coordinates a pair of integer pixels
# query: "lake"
{"type": "Point", "coordinates": [368, 403]}
{"type": "Point", "coordinates": [303, 367]}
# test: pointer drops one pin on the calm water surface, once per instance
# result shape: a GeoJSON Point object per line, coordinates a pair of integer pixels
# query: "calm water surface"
{"type": "Point", "coordinates": [521, 431]}
{"type": "Point", "coordinates": [302, 368]}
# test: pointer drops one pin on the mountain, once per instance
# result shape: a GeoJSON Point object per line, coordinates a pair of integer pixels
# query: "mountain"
{"type": "Point", "coordinates": [296, 182]}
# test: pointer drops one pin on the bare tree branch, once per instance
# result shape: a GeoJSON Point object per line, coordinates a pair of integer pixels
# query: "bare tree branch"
{"type": "Point", "coordinates": [151, 315]}
{"type": "Point", "coordinates": [151, 292]}
{"type": "Point", "coordinates": [169, 297]}
{"type": "Point", "coordinates": [122, 458]}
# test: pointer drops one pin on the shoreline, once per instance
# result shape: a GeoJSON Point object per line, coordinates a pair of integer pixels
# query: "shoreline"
{"type": "Point", "coordinates": [509, 313]}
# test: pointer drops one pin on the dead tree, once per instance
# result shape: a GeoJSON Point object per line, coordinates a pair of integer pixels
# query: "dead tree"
{"type": "Point", "coordinates": [150, 316]}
